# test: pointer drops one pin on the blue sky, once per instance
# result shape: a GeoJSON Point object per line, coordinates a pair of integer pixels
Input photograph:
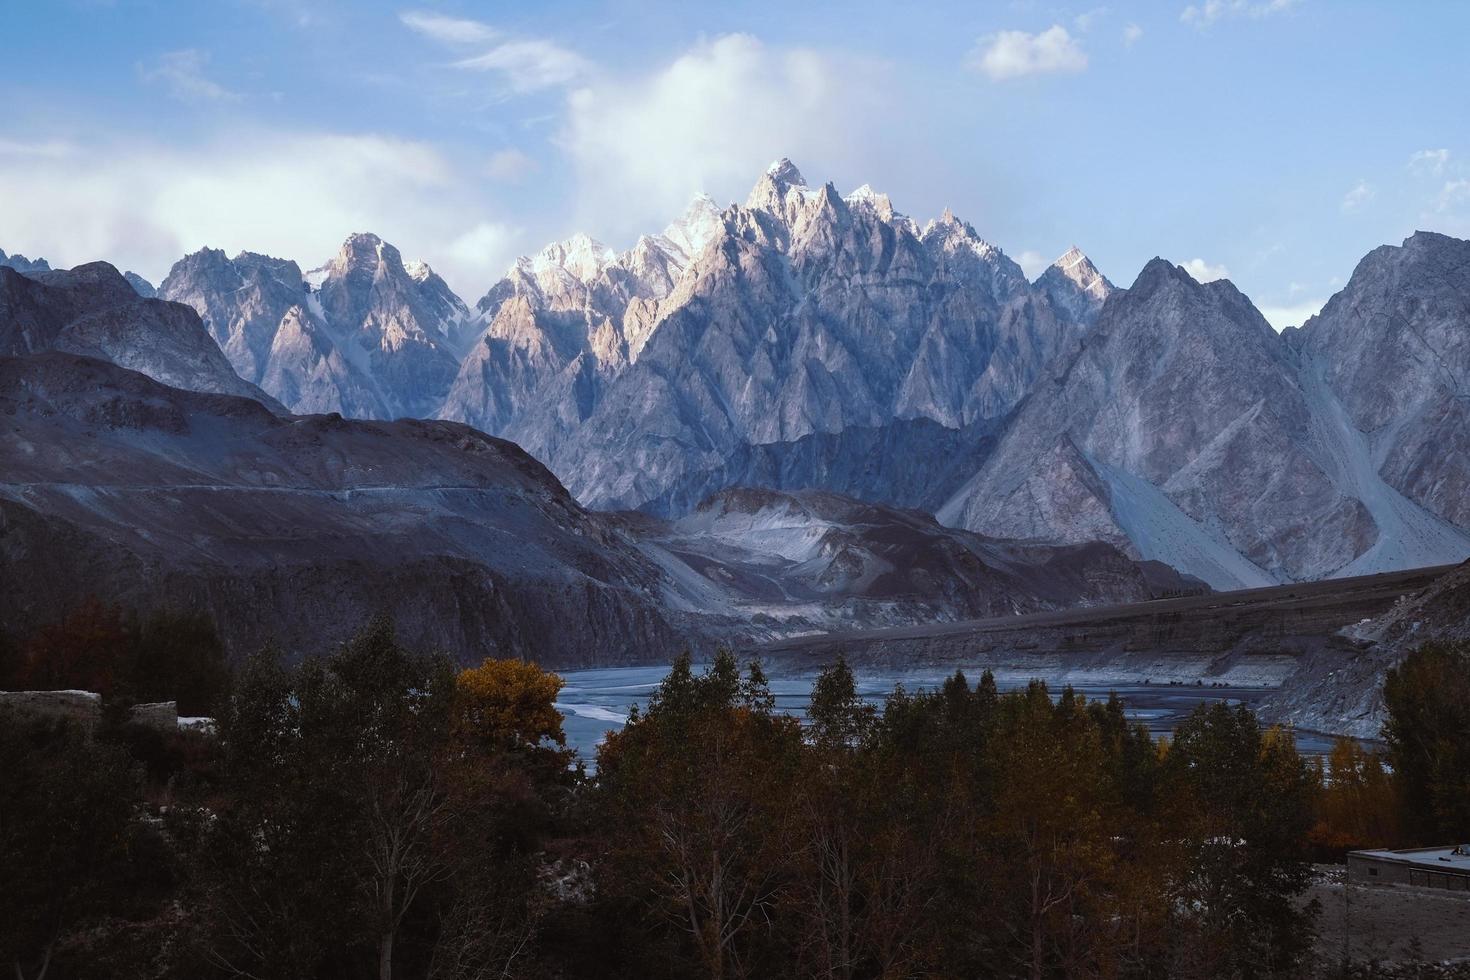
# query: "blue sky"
{"type": "Point", "coordinates": [1275, 141]}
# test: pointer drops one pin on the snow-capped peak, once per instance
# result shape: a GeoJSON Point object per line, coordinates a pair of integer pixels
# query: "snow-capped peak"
{"type": "Point", "coordinates": [865, 196]}
{"type": "Point", "coordinates": [783, 171]}
{"type": "Point", "coordinates": [581, 255]}
{"type": "Point", "coordinates": [418, 270]}
{"type": "Point", "coordinates": [696, 226]}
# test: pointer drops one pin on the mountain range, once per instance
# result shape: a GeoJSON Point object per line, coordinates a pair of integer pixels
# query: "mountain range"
{"type": "Point", "coordinates": [806, 341]}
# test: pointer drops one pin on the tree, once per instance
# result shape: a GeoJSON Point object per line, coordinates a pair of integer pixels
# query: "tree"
{"type": "Point", "coordinates": [1240, 801]}
{"type": "Point", "coordinates": [66, 806]}
{"type": "Point", "coordinates": [179, 657]}
{"type": "Point", "coordinates": [1356, 803]}
{"type": "Point", "coordinates": [694, 789]}
{"type": "Point", "coordinates": [380, 807]}
{"type": "Point", "coordinates": [1428, 735]}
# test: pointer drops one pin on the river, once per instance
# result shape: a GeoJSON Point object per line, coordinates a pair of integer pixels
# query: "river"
{"type": "Point", "coordinates": [596, 701]}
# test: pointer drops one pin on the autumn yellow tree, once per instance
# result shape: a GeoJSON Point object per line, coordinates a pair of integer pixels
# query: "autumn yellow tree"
{"type": "Point", "coordinates": [507, 705]}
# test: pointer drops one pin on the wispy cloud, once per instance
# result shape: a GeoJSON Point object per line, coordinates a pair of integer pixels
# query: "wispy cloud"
{"type": "Point", "coordinates": [1203, 271]}
{"type": "Point", "coordinates": [1015, 54]}
{"type": "Point", "coordinates": [1131, 35]}
{"type": "Point", "coordinates": [448, 30]}
{"type": "Point", "coordinates": [1210, 11]}
{"type": "Point", "coordinates": [182, 73]}
{"type": "Point", "coordinates": [1089, 19]}
{"type": "Point", "coordinates": [1358, 195]}
{"type": "Point", "coordinates": [525, 64]}
{"type": "Point", "coordinates": [530, 65]}
{"type": "Point", "coordinates": [1429, 163]}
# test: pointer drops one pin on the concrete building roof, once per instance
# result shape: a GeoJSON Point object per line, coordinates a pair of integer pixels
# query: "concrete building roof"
{"type": "Point", "coordinates": [1439, 858]}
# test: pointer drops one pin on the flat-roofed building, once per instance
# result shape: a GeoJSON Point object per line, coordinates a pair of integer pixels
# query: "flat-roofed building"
{"type": "Point", "coordinates": [1447, 868]}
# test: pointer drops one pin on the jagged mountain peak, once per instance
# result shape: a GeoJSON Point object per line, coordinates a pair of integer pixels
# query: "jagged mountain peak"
{"type": "Point", "coordinates": [784, 172]}
{"type": "Point", "coordinates": [1159, 272]}
{"type": "Point", "coordinates": [581, 255]}
{"type": "Point", "coordinates": [693, 229]}
{"type": "Point", "coordinates": [1075, 286]}
{"type": "Point", "coordinates": [364, 250]}
{"type": "Point", "coordinates": [22, 264]}
{"type": "Point", "coordinates": [865, 196]}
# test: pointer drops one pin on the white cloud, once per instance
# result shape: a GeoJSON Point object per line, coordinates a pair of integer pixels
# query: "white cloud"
{"type": "Point", "coordinates": [530, 65]}
{"type": "Point", "coordinates": [1292, 315]}
{"type": "Point", "coordinates": [1453, 194]}
{"type": "Point", "coordinates": [182, 73]}
{"type": "Point", "coordinates": [1087, 20]}
{"type": "Point", "coordinates": [712, 120]}
{"type": "Point", "coordinates": [1203, 271]}
{"type": "Point", "coordinates": [525, 64]}
{"type": "Point", "coordinates": [143, 206]}
{"type": "Point", "coordinates": [510, 166]}
{"type": "Point", "coordinates": [1014, 54]}
{"type": "Point", "coordinates": [1131, 34]}
{"type": "Point", "coordinates": [1032, 263]}
{"type": "Point", "coordinates": [486, 250]}
{"type": "Point", "coordinates": [447, 30]}
{"type": "Point", "coordinates": [1429, 163]}
{"type": "Point", "coordinates": [1358, 195]}
{"type": "Point", "coordinates": [1210, 11]}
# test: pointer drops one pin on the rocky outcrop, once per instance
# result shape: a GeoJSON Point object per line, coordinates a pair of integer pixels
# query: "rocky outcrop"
{"type": "Point", "coordinates": [92, 310]}
{"type": "Point", "coordinates": [1336, 693]}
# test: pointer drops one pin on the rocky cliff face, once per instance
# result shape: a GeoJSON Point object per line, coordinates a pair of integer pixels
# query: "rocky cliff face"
{"type": "Point", "coordinates": [364, 335]}
{"type": "Point", "coordinates": [1336, 693]}
{"type": "Point", "coordinates": [93, 310]}
{"type": "Point", "coordinates": [141, 286]}
{"type": "Point", "coordinates": [803, 313]}
{"type": "Point", "coordinates": [1394, 349]}
{"type": "Point", "coordinates": [1185, 429]}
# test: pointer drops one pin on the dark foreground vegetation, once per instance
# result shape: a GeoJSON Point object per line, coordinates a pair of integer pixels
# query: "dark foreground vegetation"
{"type": "Point", "coordinates": [381, 812]}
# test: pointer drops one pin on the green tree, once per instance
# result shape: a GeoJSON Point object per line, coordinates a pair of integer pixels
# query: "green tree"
{"type": "Point", "coordinates": [694, 794]}
{"type": "Point", "coordinates": [1428, 735]}
{"type": "Point", "coordinates": [1240, 803]}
